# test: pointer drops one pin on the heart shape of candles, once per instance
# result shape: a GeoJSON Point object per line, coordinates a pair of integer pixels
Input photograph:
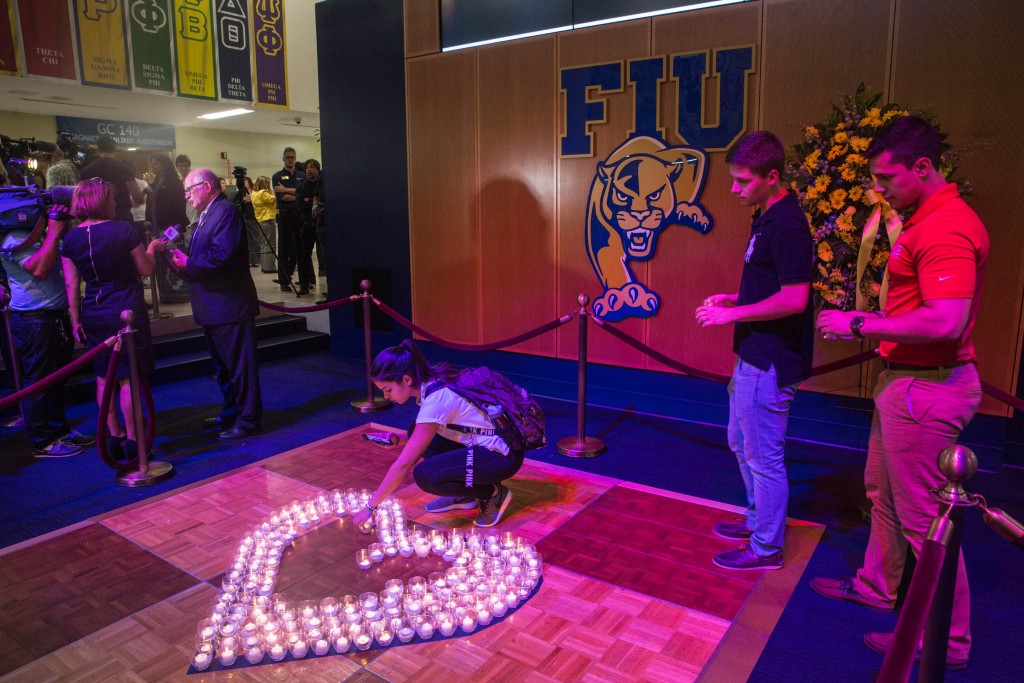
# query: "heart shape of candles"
{"type": "Point", "coordinates": [489, 575]}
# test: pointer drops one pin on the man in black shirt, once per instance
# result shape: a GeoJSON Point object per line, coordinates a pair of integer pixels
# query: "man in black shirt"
{"type": "Point", "coordinates": [118, 174]}
{"type": "Point", "coordinates": [773, 338]}
{"type": "Point", "coordinates": [289, 220]}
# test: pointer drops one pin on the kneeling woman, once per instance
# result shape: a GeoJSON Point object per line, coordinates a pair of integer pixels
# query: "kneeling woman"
{"type": "Point", "coordinates": [463, 461]}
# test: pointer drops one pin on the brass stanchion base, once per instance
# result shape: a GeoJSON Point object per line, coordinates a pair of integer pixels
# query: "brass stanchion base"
{"type": "Point", "coordinates": [155, 473]}
{"type": "Point", "coordinates": [588, 447]}
{"type": "Point", "coordinates": [376, 405]}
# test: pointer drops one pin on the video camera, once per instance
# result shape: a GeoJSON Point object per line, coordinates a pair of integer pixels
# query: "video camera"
{"type": "Point", "coordinates": [21, 207]}
{"type": "Point", "coordinates": [239, 173]}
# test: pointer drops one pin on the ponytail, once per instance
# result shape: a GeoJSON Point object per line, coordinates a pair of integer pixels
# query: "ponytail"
{"type": "Point", "coordinates": [395, 362]}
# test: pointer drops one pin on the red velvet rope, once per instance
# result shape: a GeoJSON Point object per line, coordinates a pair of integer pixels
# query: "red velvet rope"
{"type": "Point", "coordinates": [855, 359]}
{"type": "Point", "coordinates": [493, 346]}
{"type": "Point", "coordinates": [60, 375]}
{"type": "Point", "coordinates": [657, 355]}
{"type": "Point", "coordinates": [310, 309]}
{"type": "Point", "coordinates": [1001, 395]}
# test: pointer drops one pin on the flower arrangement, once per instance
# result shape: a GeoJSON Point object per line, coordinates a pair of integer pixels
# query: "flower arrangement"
{"type": "Point", "coordinates": [830, 173]}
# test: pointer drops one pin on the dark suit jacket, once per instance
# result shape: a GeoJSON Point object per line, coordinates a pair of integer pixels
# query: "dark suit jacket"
{"type": "Point", "coordinates": [220, 285]}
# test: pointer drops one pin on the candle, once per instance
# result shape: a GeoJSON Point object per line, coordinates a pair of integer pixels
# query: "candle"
{"type": "Point", "coordinates": [384, 636]}
{"type": "Point", "coordinates": [376, 552]}
{"type": "Point", "coordinates": [254, 654]}
{"type": "Point", "coordinates": [368, 601]}
{"type": "Point", "coordinates": [422, 548]}
{"type": "Point", "coordinates": [363, 641]}
{"type": "Point", "coordinates": [405, 549]}
{"type": "Point", "coordinates": [227, 656]}
{"type": "Point", "coordinates": [425, 627]}
{"type": "Point", "coordinates": [363, 560]}
{"type": "Point", "coordinates": [299, 648]}
{"type": "Point", "coordinates": [406, 633]}
{"type": "Point", "coordinates": [201, 661]}
{"type": "Point", "coordinates": [277, 652]}
{"type": "Point", "coordinates": [445, 624]}
{"type": "Point", "coordinates": [498, 606]}
{"type": "Point", "coordinates": [341, 644]}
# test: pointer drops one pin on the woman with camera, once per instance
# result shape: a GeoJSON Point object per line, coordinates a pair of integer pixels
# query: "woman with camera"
{"type": "Point", "coordinates": [109, 257]}
{"type": "Point", "coordinates": [264, 205]}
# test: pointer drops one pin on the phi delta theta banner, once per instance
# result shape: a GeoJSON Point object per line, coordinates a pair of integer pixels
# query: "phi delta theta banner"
{"type": "Point", "coordinates": [152, 57]}
{"type": "Point", "coordinates": [8, 53]}
{"type": "Point", "coordinates": [47, 39]}
{"type": "Point", "coordinates": [194, 39]}
{"type": "Point", "coordinates": [271, 64]}
{"type": "Point", "coordinates": [233, 50]}
{"type": "Point", "coordinates": [102, 44]}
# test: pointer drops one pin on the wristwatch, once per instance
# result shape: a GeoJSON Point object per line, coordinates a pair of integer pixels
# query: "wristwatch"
{"type": "Point", "coordinates": [855, 326]}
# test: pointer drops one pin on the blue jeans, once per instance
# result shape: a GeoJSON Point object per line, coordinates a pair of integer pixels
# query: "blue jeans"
{"type": "Point", "coordinates": [758, 413]}
{"type": "Point", "coordinates": [443, 470]}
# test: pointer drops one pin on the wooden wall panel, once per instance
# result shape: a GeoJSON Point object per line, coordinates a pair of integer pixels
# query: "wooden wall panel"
{"type": "Point", "coordinates": [516, 198]}
{"type": "Point", "coordinates": [813, 54]}
{"type": "Point", "coordinates": [422, 27]}
{"type": "Point", "coordinates": [689, 266]}
{"type": "Point", "coordinates": [967, 60]}
{"type": "Point", "coordinates": [575, 275]}
{"type": "Point", "coordinates": [445, 244]}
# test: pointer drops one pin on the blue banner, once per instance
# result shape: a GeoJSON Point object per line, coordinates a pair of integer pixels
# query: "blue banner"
{"type": "Point", "coordinates": [124, 133]}
{"type": "Point", "coordinates": [233, 50]}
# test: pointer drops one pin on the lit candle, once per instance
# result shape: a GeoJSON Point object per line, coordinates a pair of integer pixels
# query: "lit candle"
{"type": "Point", "coordinates": [422, 548]}
{"type": "Point", "coordinates": [254, 654]}
{"type": "Point", "coordinates": [299, 648]}
{"type": "Point", "coordinates": [227, 656]}
{"type": "Point", "coordinates": [405, 549]}
{"type": "Point", "coordinates": [363, 560]}
{"type": "Point", "coordinates": [320, 646]}
{"type": "Point", "coordinates": [363, 641]}
{"type": "Point", "coordinates": [384, 636]}
{"type": "Point", "coordinates": [425, 627]}
{"type": "Point", "coordinates": [341, 644]}
{"type": "Point", "coordinates": [376, 552]}
{"type": "Point", "coordinates": [406, 633]}
{"type": "Point", "coordinates": [497, 606]}
{"type": "Point", "coordinates": [201, 661]}
{"type": "Point", "coordinates": [445, 624]}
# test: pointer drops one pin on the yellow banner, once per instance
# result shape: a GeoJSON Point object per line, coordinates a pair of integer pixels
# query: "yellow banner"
{"type": "Point", "coordinates": [194, 39]}
{"type": "Point", "coordinates": [102, 46]}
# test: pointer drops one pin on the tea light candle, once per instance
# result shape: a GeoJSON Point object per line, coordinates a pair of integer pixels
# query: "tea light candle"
{"type": "Point", "coordinates": [298, 648]}
{"type": "Point", "coordinates": [362, 641]}
{"type": "Point", "coordinates": [445, 624]}
{"type": "Point", "coordinates": [384, 636]}
{"type": "Point", "coordinates": [329, 607]}
{"type": "Point", "coordinates": [406, 632]}
{"type": "Point", "coordinates": [206, 632]}
{"type": "Point", "coordinates": [307, 610]}
{"type": "Point", "coordinates": [201, 661]}
{"type": "Point", "coordinates": [376, 552]}
{"type": "Point", "coordinates": [468, 621]}
{"type": "Point", "coordinates": [497, 606]}
{"type": "Point", "coordinates": [254, 654]}
{"type": "Point", "coordinates": [363, 560]}
{"type": "Point", "coordinates": [405, 549]}
{"type": "Point", "coordinates": [390, 550]}
{"type": "Point", "coordinates": [226, 656]}
{"type": "Point", "coordinates": [341, 644]}
{"type": "Point", "coordinates": [320, 646]}
{"type": "Point", "coordinates": [413, 605]}
{"type": "Point", "coordinates": [368, 601]}
{"type": "Point", "coordinates": [277, 652]}
{"type": "Point", "coordinates": [421, 548]}
{"type": "Point", "coordinates": [483, 613]}
{"type": "Point", "coordinates": [425, 627]}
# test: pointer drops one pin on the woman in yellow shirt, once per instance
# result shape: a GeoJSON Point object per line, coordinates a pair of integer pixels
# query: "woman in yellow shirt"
{"type": "Point", "coordinates": [264, 204]}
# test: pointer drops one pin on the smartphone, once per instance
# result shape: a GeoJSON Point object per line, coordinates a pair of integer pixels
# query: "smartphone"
{"type": "Point", "coordinates": [381, 438]}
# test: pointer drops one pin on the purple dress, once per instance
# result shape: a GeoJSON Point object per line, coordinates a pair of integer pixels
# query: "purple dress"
{"type": "Point", "coordinates": [102, 254]}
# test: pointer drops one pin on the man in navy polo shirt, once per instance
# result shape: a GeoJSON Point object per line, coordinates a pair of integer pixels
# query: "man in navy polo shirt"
{"type": "Point", "coordinates": [773, 340]}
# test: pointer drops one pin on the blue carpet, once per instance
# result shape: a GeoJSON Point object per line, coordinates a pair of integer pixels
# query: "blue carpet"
{"type": "Point", "coordinates": [307, 399]}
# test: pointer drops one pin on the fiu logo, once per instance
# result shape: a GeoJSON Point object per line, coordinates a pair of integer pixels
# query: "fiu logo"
{"type": "Point", "coordinates": [646, 184]}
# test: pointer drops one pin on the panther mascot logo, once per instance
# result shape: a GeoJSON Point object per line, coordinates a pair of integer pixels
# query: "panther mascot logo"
{"type": "Point", "coordinates": [642, 188]}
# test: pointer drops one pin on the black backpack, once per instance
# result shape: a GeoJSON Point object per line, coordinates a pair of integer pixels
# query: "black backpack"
{"type": "Point", "coordinates": [517, 419]}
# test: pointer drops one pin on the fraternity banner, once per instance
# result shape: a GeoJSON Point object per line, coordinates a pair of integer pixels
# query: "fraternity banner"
{"type": "Point", "coordinates": [233, 50]}
{"type": "Point", "coordinates": [271, 63]}
{"type": "Point", "coordinates": [47, 39]}
{"type": "Point", "coordinates": [194, 40]}
{"type": "Point", "coordinates": [149, 22]}
{"type": "Point", "coordinates": [125, 133]}
{"type": "Point", "coordinates": [8, 50]}
{"type": "Point", "coordinates": [102, 43]}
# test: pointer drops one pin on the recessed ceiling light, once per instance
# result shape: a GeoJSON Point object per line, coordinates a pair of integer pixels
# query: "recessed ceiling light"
{"type": "Point", "coordinates": [131, 149]}
{"type": "Point", "coordinates": [225, 114]}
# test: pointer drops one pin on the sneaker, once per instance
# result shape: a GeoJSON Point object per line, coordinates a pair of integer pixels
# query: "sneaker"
{"type": "Point", "coordinates": [491, 509]}
{"type": "Point", "coordinates": [733, 531]}
{"type": "Point", "coordinates": [446, 503]}
{"type": "Point", "coordinates": [57, 449]}
{"type": "Point", "coordinates": [842, 589]}
{"type": "Point", "coordinates": [79, 439]}
{"type": "Point", "coordinates": [880, 642]}
{"type": "Point", "coordinates": [744, 558]}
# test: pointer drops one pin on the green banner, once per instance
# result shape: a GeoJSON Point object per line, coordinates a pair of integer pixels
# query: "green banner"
{"type": "Point", "coordinates": [152, 59]}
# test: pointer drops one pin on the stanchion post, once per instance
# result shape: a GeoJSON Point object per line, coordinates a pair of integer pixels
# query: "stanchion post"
{"type": "Point", "coordinates": [154, 290]}
{"type": "Point", "coordinates": [370, 404]}
{"type": "Point", "coordinates": [581, 446]}
{"type": "Point", "coordinates": [147, 472]}
{"type": "Point", "coordinates": [15, 369]}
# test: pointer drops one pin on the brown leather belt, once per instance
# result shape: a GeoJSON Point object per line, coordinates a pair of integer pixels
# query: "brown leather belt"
{"type": "Point", "coordinates": [904, 367]}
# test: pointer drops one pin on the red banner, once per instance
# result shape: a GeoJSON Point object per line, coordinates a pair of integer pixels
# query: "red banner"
{"type": "Point", "coordinates": [8, 49]}
{"type": "Point", "coordinates": [48, 40]}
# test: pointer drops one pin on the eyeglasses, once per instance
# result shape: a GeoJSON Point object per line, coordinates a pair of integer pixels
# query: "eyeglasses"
{"type": "Point", "coordinates": [289, 157]}
{"type": "Point", "coordinates": [188, 190]}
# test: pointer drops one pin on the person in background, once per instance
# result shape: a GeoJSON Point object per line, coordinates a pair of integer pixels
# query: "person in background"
{"type": "Point", "coordinates": [264, 205]}
{"type": "Point", "coordinates": [109, 257]}
{"type": "Point", "coordinates": [165, 201]}
{"type": "Point", "coordinates": [184, 166]}
{"type": "Point", "coordinates": [773, 340]}
{"type": "Point", "coordinates": [62, 171]}
{"type": "Point", "coordinates": [252, 226]}
{"type": "Point", "coordinates": [306, 194]}
{"type": "Point", "coordinates": [289, 222]}
{"type": "Point", "coordinates": [118, 174]}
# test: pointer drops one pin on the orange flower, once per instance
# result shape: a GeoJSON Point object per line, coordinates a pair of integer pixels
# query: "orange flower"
{"type": "Point", "coordinates": [824, 252]}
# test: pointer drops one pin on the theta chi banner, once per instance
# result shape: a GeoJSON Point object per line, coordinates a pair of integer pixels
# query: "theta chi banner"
{"type": "Point", "coordinates": [102, 43]}
{"type": "Point", "coordinates": [152, 56]}
{"type": "Point", "coordinates": [193, 37]}
{"type": "Point", "coordinates": [271, 63]}
{"type": "Point", "coordinates": [8, 51]}
{"type": "Point", "coordinates": [233, 50]}
{"type": "Point", "coordinates": [47, 39]}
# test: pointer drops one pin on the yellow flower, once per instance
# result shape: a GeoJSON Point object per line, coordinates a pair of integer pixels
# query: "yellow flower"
{"type": "Point", "coordinates": [811, 194]}
{"type": "Point", "coordinates": [837, 151]}
{"type": "Point", "coordinates": [872, 117]}
{"type": "Point", "coordinates": [838, 198]}
{"type": "Point", "coordinates": [858, 143]}
{"type": "Point", "coordinates": [812, 160]}
{"type": "Point", "coordinates": [824, 252]}
{"type": "Point", "coordinates": [840, 137]}
{"type": "Point", "coordinates": [824, 207]}
{"type": "Point", "coordinates": [856, 160]}
{"type": "Point", "coordinates": [856, 193]}
{"type": "Point", "coordinates": [845, 220]}
{"type": "Point", "coordinates": [848, 173]}
{"type": "Point", "coordinates": [821, 182]}
{"type": "Point", "coordinates": [890, 115]}
{"type": "Point", "coordinates": [811, 133]}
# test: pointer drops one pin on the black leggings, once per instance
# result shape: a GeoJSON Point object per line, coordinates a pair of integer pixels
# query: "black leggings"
{"type": "Point", "coordinates": [446, 469]}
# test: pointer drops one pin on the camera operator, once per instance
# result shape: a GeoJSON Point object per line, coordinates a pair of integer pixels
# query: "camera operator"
{"type": "Point", "coordinates": [42, 332]}
{"type": "Point", "coordinates": [62, 171]}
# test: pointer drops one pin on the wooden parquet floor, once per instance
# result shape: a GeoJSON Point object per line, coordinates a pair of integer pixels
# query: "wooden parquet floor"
{"type": "Point", "coordinates": [629, 592]}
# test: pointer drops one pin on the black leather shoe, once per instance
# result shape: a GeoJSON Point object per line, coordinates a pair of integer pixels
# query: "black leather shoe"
{"type": "Point", "coordinates": [211, 422]}
{"type": "Point", "coordinates": [302, 291]}
{"type": "Point", "coordinates": [237, 432]}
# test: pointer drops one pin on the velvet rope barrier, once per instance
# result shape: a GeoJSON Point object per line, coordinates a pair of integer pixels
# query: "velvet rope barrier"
{"type": "Point", "coordinates": [657, 355]}
{"type": "Point", "coordinates": [48, 381]}
{"type": "Point", "coordinates": [110, 381]}
{"type": "Point", "coordinates": [494, 346]}
{"type": "Point", "coordinates": [310, 309]}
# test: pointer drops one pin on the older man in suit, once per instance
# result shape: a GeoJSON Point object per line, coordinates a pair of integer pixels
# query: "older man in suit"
{"type": "Point", "coordinates": [223, 302]}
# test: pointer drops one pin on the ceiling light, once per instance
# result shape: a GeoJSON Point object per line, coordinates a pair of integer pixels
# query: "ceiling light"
{"type": "Point", "coordinates": [225, 114]}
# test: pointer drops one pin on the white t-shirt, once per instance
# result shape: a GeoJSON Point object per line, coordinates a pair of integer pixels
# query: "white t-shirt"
{"type": "Point", "coordinates": [444, 407]}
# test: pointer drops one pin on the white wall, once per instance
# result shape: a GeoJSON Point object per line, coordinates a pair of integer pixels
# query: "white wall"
{"type": "Point", "coordinates": [260, 154]}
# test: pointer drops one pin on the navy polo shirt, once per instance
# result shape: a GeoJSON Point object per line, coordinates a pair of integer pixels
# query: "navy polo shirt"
{"type": "Point", "coordinates": [780, 252]}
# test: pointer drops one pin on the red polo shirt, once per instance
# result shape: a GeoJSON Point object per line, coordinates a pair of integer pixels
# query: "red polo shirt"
{"type": "Point", "coordinates": [941, 254]}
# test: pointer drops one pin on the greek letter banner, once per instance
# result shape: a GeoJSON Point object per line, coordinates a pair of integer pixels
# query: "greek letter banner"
{"type": "Point", "coordinates": [233, 50]}
{"type": "Point", "coordinates": [102, 43]}
{"type": "Point", "coordinates": [271, 63]}
{"type": "Point", "coordinates": [8, 53]}
{"type": "Point", "coordinates": [47, 39]}
{"type": "Point", "coordinates": [193, 35]}
{"type": "Point", "coordinates": [152, 58]}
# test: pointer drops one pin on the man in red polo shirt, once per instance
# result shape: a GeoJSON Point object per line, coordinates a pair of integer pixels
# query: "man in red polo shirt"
{"type": "Point", "coordinates": [929, 389]}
